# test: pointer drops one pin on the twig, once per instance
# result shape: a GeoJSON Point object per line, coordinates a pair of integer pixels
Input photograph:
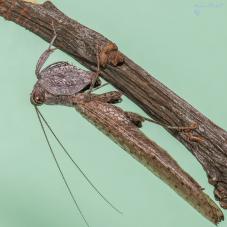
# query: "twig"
{"type": "Point", "coordinates": [153, 97]}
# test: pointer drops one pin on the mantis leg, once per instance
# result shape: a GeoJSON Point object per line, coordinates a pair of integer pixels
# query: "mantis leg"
{"type": "Point", "coordinates": [137, 120]}
{"type": "Point", "coordinates": [108, 97]}
{"type": "Point", "coordinates": [96, 74]}
{"type": "Point", "coordinates": [45, 55]}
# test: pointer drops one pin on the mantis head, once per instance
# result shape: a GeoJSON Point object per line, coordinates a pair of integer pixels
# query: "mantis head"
{"type": "Point", "coordinates": [37, 97]}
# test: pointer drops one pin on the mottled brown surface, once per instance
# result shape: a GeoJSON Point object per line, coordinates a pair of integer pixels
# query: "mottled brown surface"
{"type": "Point", "coordinates": [114, 122]}
{"type": "Point", "coordinates": [122, 128]}
{"type": "Point", "coordinates": [153, 97]}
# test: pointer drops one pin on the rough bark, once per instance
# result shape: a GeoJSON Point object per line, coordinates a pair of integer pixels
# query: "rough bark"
{"type": "Point", "coordinates": [153, 97]}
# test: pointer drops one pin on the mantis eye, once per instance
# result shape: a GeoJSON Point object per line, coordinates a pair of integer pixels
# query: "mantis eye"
{"type": "Point", "coordinates": [37, 97]}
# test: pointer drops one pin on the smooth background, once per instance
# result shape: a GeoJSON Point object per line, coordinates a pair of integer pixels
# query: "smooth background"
{"type": "Point", "coordinates": [182, 43]}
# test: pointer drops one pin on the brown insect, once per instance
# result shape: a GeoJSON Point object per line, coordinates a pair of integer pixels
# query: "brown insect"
{"type": "Point", "coordinates": [64, 84]}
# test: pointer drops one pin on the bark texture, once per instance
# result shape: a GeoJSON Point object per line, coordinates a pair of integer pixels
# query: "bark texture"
{"type": "Point", "coordinates": [153, 97]}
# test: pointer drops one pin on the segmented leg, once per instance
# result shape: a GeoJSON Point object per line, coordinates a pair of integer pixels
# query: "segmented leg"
{"type": "Point", "coordinates": [108, 54]}
{"type": "Point", "coordinates": [188, 128]}
{"type": "Point", "coordinates": [45, 55]}
{"type": "Point", "coordinates": [109, 97]}
{"type": "Point", "coordinates": [137, 120]}
{"type": "Point", "coordinates": [96, 74]}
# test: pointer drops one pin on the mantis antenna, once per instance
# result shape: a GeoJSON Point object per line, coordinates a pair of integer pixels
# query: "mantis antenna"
{"type": "Point", "coordinates": [43, 120]}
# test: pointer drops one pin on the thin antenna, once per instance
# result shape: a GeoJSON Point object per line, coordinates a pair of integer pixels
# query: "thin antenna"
{"type": "Point", "coordinates": [77, 166]}
{"type": "Point", "coordinates": [59, 168]}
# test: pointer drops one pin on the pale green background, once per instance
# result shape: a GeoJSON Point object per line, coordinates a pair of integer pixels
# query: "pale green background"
{"type": "Point", "coordinates": [183, 44]}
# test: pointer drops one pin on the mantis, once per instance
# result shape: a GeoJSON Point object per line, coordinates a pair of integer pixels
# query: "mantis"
{"type": "Point", "coordinates": [64, 84]}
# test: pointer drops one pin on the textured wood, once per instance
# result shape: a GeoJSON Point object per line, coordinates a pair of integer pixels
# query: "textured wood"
{"type": "Point", "coordinates": [153, 97]}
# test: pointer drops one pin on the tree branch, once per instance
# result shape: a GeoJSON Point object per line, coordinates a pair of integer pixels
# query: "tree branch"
{"type": "Point", "coordinates": [153, 97]}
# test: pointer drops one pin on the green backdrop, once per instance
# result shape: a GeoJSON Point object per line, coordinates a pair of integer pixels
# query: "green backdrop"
{"type": "Point", "coordinates": [182, 43]}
